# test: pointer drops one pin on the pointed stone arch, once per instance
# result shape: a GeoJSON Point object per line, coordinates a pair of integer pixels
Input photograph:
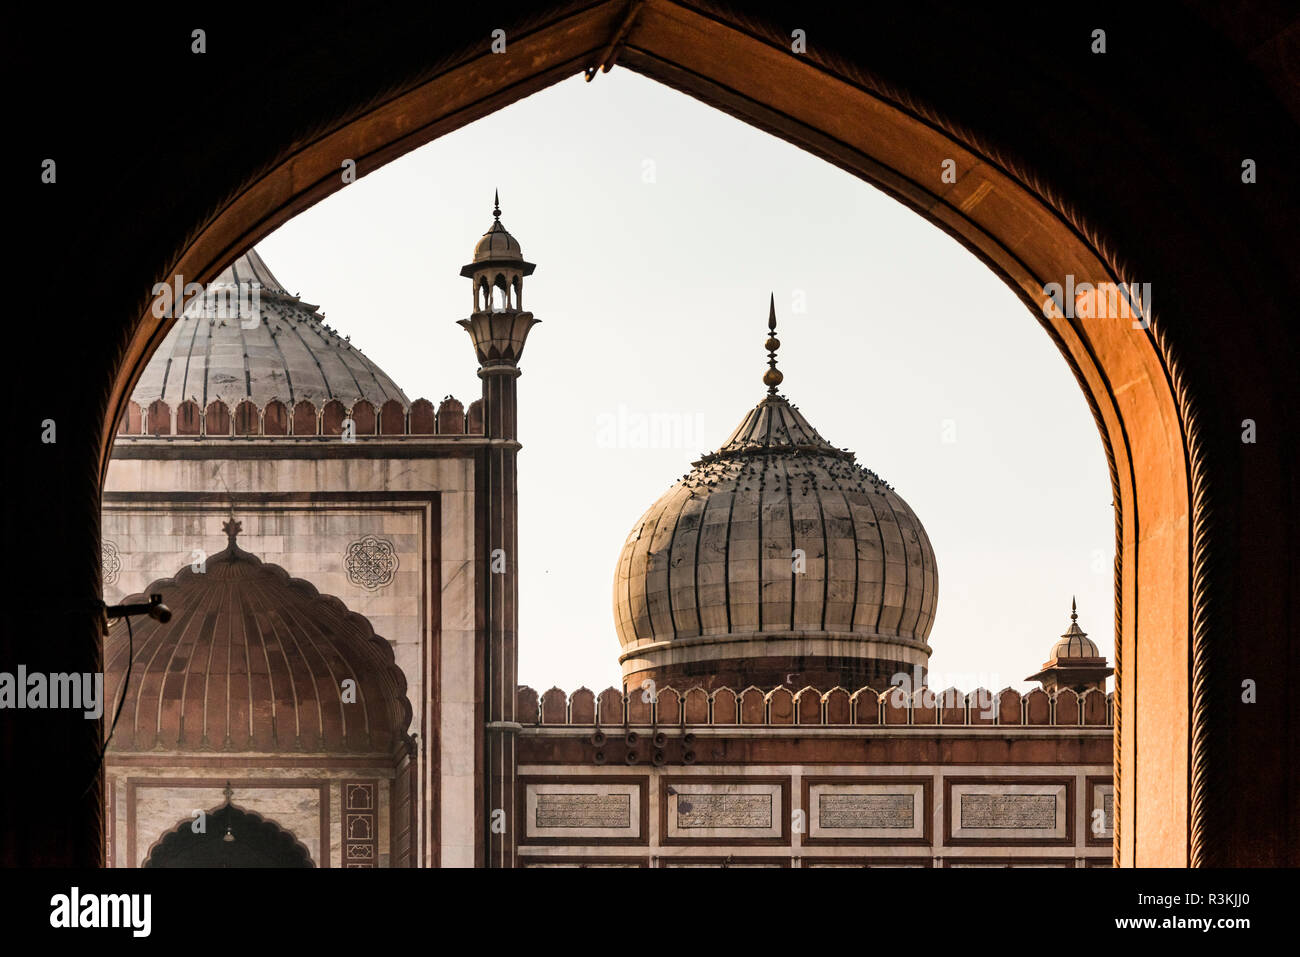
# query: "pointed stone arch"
{"type": "Point", "coordinates": [255, 841]}
{"type": "Point", "coordinates": [1002, 209]}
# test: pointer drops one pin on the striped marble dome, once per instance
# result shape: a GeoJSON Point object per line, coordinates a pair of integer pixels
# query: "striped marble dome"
{"type": "Point", "coordinates": [776, 560]}
{"type": "Point", "coordinates": [219, 350]}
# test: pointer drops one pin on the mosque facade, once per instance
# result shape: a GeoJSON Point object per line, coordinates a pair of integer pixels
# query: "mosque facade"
{"type": "Point", "coordinates": [337, 685]}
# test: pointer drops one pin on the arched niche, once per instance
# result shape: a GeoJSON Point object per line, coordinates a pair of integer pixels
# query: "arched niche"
{"type": "Point", "coordinates": [231, 837]}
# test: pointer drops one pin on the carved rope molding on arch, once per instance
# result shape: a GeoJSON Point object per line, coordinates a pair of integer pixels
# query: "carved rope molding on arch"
{"type": "Point", "coordinates": [1203, 530]}
{"type": "Point", "coordinates": [465, 87]}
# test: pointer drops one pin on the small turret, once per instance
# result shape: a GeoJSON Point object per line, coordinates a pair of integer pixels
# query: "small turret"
{"type": "Point", "coordinates": [1075, 663]}
{"type": "Point", "coordinates": [498, 325]}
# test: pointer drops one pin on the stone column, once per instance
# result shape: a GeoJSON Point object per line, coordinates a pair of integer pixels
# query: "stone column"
{"type": "Point", "coordinates": [499, 341]}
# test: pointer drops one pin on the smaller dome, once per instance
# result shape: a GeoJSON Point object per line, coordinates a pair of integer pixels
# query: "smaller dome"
{"type": "Point", "coordinates": [497, 244]}
{"type": "Point", "coordinates": [286, 352]}
{"type": "Point", "coordinates": [253, 661]}
{"type": "Point", "coordinates": [497, 248]}
{"type": "Point", "coordinates": [1075, 643]}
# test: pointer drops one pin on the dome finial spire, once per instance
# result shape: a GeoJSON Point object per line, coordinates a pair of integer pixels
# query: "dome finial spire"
{"type": "Point", "coordinates": [772, 377]}
{"type": "Point", "coordinates": [232, 528]}
{"type": "Point", "coordinates": [1074, 610]}
{"type": "Point", "coordinates": [496, 204]}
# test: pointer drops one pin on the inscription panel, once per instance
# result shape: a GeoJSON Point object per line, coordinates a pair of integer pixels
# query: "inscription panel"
{"type": "Point", "coordinates": [590, 861]}
{"type": "Point", "coordinates": [710, 811]}
{"type": "Point", "coordinates": [1009, 811]}
{"type": "Point", "coordinates": [586, 810]}
{"type": "Point", "coordinates": [1014, 811]}
{"type": "Point", "coordinates": [1008, 862]}
{"type": "Point", "coordinates": [867, 810]}
{"type": "Point", "coordinates": [861, 862]}
{"type": "Point", "coordinates": [1100, 818]}
{"type": "Point", "coordinates": [720, 862]}
{"type": "Point", "coordinates": [857, 811]}
{"type": "Point", "coordinates": [591, 811]}
{"type": "Point", "coordinates": [724, 810]}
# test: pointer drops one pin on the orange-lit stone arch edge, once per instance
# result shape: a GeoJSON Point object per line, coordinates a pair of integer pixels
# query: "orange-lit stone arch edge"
{"type": "Point", "coordinates": [1004, 216]}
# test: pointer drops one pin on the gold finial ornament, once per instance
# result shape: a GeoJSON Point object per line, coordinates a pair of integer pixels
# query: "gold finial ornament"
{"type": "Point", "coordinates": [772, 377]}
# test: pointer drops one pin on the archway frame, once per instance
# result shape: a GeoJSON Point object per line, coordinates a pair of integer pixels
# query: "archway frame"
{"type": "Point", "coordinates": [187, 822]}
{"type": "Point", "coordinates": [1004, 216]}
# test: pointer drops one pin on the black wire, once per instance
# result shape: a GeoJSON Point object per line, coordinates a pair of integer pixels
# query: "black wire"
{"type": "Point", "coordinates": [121, 700]}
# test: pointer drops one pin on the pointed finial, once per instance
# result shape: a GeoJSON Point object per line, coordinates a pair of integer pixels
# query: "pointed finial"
{"type": "Point", "coordinates": [496, 204]}
{"type": "Point", "coordinates": [231, 528]}
{"type": "Point", "coordinates": [1074, 610]}
{"type": "Point", "coordinates": [772, 377]}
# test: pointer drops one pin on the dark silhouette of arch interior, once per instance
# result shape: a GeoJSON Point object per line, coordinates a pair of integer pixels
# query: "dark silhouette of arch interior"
{"type": "Point", "coordinates": [253, 842]}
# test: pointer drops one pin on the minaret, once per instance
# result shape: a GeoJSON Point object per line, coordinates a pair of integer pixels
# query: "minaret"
{"type": "Point", "coordinates": [499, 326]}
{"type": "Point", "coordinates": [1075, 663]}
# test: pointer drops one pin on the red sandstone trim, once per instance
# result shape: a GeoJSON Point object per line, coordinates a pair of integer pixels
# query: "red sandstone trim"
{"type": "Point", "coordinates": [781, 706]}
{"type": "Point", "coordinates": [304, 419]}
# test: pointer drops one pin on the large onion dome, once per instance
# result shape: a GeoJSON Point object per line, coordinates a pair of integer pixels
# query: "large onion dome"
{"type": "Point", "coordinates": [776, 560]}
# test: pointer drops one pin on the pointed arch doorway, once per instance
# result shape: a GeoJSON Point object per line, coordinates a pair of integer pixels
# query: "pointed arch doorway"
{"type": "Point", "coordinates": [231, 837]}
{"type": "Point", "coordinates": [1175, 761]}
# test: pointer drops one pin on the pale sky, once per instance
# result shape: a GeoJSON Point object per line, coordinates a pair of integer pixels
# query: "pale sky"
{"type": "Point", "coordinates": [658, 226]}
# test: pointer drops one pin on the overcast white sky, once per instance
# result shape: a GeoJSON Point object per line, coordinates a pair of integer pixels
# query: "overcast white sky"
{"type": "Point", "coordinates": [658, 226]}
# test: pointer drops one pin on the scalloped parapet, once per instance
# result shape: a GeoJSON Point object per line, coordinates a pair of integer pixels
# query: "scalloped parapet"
{"type": "Point", "coordinates": [217, 420]}
{"type": "Point", "coordinates": [785, 707]}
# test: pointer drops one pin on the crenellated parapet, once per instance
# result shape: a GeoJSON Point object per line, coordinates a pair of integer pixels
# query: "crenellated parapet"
{"type": "Point", "coordinates": [190, 419]}
{"type": "Point", "coordinates": [837, 707]}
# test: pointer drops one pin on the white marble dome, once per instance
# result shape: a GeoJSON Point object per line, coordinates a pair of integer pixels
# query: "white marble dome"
{"type": "Point", "coordinates": [218, 350]}
{"type": "Point", "coordinates": [710, 588]}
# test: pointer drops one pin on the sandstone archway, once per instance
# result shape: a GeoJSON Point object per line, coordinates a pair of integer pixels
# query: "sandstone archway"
{"type": "Point", "coordinates": [1129, 381]}
{"type": "Point", "coordinates": [1167, 400]}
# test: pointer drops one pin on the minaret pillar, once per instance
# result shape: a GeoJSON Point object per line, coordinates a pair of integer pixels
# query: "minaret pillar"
{"type": "Point", "coordinates": [498, 329]}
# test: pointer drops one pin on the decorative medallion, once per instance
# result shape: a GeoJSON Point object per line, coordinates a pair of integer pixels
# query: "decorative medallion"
{"type": "Point", "coordinates": [371, 563]}
{"type": "Point", "coordinates": [110, 562]}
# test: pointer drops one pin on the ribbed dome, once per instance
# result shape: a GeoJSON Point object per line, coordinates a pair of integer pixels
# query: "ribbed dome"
{"type": "Point", "coordinates": [709, 585]}
{"type": "Point", "coordinates": [253, 661]}
{"type": "Point", "coordinates": [290, 354]}
{"type": "Point", "coordinates": [497, 244]}
{"type": "Point", "coordinates": [1075, 643]}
